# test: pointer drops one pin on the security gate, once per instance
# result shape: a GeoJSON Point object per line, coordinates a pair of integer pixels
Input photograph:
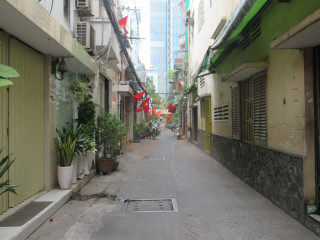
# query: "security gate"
{"type": "Point", "coordinates": [21, 115]}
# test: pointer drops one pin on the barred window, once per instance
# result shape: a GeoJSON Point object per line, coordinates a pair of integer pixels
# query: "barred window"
{"type": "Point", "coordinates": [235, 112]}
{"type": "Point", "coordinates": [249, 109]}
{"type": "Point", "coordinates": [221, 113]}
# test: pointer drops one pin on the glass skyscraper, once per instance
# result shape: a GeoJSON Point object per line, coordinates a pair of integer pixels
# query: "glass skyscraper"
{"type": "Point", "coordinates": [165, 18]}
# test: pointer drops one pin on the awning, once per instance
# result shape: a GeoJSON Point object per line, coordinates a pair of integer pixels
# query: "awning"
{"type": "Point", "coordinates": [245, 71]}
{"type": "Point", "coordinates": [239, 19]}
{"type": "Point", "coordinates": [304, 34]}
{"type": "Point", "coordinates": [203, 96]}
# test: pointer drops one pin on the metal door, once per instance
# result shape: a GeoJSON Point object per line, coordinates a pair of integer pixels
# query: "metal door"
{"type": "Point", "coordinates": [207, 126]}
{"type": "Point", "coordinates": [23, 107]}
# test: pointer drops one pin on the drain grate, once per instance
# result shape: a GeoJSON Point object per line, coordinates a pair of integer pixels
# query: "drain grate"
{"type": "Point", "coordinates": [152, 205]}
{"type": "Point", "coordinates": [23, 215]}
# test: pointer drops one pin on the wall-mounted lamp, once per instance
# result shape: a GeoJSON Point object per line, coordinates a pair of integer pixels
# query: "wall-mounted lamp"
{"type": "Point", "coordinates": [62, 68]}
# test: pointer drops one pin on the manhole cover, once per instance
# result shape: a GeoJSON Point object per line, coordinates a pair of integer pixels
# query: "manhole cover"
{"type": "Point", "coordinates": [152, 205]}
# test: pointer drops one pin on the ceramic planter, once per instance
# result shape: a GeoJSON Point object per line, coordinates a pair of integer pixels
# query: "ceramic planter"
{"type": "Point", "coordinates": [90, 158]}
{"type": "Point", "coordinates": [65, 177]}
{"type": "Point", "coordinates": [105, 165]}
{"type": "Point", "coordinates": [75, 169]}
{"type": "Point", "coordinates": [80, 171]}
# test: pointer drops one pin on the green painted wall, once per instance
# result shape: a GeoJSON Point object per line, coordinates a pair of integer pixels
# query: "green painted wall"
{"type": "Point", "coordinates": [278, 19]}
{"type": "Point", "coordinates": [64, 98]}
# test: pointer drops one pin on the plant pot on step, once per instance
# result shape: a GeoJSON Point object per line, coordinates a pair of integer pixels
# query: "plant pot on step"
{"type": "Point", "coordinates": [90, 158]}
{"type": "Point", "coordinates": [105, 165]}
{"type": "Point", "coordinates": [115, 166]}
{"type": "Point", "coordinates": [65, 177]}
{"type": "Point", "coordinates": [80, 171]}
{"type": "Point", "coordinates": [75, 169]}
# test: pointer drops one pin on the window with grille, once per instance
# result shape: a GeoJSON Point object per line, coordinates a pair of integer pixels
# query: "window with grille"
{"type": "Point", "coordinates": [249, 109]}
{"type": "Point", "coordinates": [235, 112]}
{"type": "Point", "coordinates": [200, 15]}
{"type": "Point", "coordinates": [221, 113]}
{"type": "Point", "coordinates": [251, 35]}
{"type": "Point", "coordinates": [259, 107]}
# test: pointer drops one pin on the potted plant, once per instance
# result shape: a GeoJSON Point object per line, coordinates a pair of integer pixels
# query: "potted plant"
{"type": "Point", "coordinates": [79, 90]}
{"type": "Point", "coordinates": [120, 134]}
{"type": "Point", "coordinates": [108, 134]}
{"type": "Point", "coordinates": [65, 145]}
{"type": "Point", "coordinates": [136, 133]}
{"type": "Point", "coordinates": [86, 118]}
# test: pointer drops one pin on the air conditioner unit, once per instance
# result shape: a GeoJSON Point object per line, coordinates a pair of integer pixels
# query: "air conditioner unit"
{"type": "Point", "coordinates": [83, 3]}
{"type": "Point", "coordinates": [189, 22]}
{"type": "Point", "coordinates": [86, 35]}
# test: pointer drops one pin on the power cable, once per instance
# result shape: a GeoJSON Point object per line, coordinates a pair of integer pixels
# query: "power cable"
{"type": "Point", "coordinates": [117, 31]}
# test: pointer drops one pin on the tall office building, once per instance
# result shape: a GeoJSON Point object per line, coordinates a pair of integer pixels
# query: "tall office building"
{"type": "Point", "coordinates": [165, 28]}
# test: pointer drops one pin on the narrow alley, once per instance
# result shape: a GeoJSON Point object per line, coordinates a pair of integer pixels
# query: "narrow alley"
{"type": "Point", "coordinates": [196, 198]}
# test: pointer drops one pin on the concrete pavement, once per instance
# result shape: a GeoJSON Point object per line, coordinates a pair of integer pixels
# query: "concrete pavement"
{"type": "Point", "coordinates": [212, 203]}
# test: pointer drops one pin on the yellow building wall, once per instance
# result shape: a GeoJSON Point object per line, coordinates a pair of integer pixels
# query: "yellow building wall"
{"type": "Point", "coordinates": [221, 95]}
{"type": "Point", "coordinates": [286, 102]}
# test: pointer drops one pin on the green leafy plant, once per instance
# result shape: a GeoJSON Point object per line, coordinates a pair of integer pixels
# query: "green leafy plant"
{"type": "Point", "coordinates": [69, 141]}
{"type": "Point", "coordinates": [136, 131]}
{"type": "Point", "coordinates": [5, 73]}
{"type": "Point", "coordinates": [5, 164]}
{"type": "Point", "coordinates": [109, 133]}
{"type": "Point", "coordinates": [79, 89]}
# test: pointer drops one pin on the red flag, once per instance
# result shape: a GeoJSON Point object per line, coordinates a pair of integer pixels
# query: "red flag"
{"type": "Point", "coordinates": [165, 116]}
{"type": "Point", "coordinates": [122, 23]}
{"type": "Point", "coordinates": [170, 116]}
{"type": "Point", "coordinates": [158, 114]}
{"type": "Point", "coordinates": [154, 110]}
{"type": "Point", "coordinates": [172, 108]}
{"type": "Point", "coordinates": [179, 85]}
{"type": "Point", "coordinates": [139, 108]}
{"type": "Point", "coordinates": [137, 97]}
{"type": "Point", "coordinates": [145, 105]}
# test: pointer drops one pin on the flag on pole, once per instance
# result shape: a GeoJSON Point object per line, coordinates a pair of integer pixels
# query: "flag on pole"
{"type": "Point", "coordinates": [123, 22]}
{"type": "Point", "coordinates": [170, 116]}
{"type": "Point", "coordinates": [139, 108]}
{"type": "Point", "coordinates": [154, 110]}
{"type": "Point", "coordinates": [137, 97]}
{"type": "Point", "coordinates": [158, 114]}
{"type": "Point", "coordinates": [165, 116]}
{"type": "Point", "coordinates": [145, 105]}
{"type": "Point", "coordinates": [179, 85]}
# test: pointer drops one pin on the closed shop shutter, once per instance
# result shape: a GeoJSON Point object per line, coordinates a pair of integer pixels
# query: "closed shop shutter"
{"type": "Point", "coordinates": [21, 112]}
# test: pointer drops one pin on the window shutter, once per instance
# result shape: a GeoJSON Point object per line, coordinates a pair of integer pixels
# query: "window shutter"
{"type": "Point", "coordinates": [259, 107]}
{"type": "Point", "coordinates": [235, 112]}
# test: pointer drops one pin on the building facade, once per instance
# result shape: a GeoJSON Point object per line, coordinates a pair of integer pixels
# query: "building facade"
{"type": "Point", "coordinates": [35, 38]}
{"type": "Point", "coordinates": [257, 96]}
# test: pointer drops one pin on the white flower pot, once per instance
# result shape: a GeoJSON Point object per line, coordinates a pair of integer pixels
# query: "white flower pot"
{"type": "Point", "coordinates": [85, 164]}
{"type": "Point", "coordinates": [65, 177]}
{"type": "Point", "coordinates": [91, 159]}
{"type": "Point", "coordinates": [80, 174]}
{"type": "Point", "coordinates": [75, 169]}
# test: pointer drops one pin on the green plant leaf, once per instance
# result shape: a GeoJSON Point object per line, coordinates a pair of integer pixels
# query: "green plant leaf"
{"type": "Point", "coordinates": [7, 72]}
{"type": "Point", "coordinates": [5, 82]}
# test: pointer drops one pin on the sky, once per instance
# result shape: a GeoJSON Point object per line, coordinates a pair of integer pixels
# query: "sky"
{"type": "Point", "coordinates": [144, 54]}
